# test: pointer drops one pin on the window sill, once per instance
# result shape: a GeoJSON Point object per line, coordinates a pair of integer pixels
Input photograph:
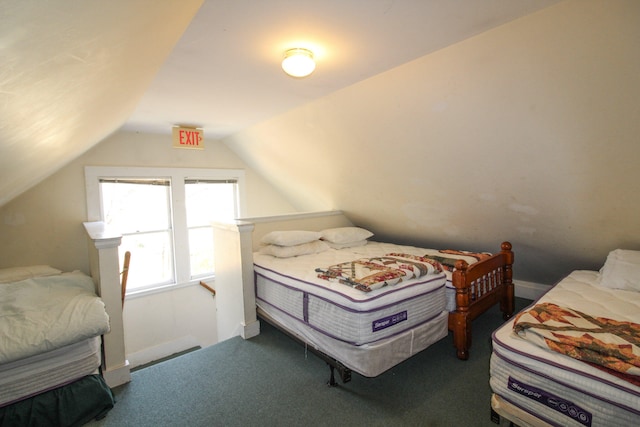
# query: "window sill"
{"type": "Point", "coordinates": [168, 288]}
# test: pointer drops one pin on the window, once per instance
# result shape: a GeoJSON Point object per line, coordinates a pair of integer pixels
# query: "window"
{"type": "Point", "coordinates": [206, 199]}
{"type": "Point", "coordinates": [165, 217]}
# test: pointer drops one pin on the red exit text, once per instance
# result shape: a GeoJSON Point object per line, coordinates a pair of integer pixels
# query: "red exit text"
{"type": "Point", "coordinates": [188, 137]}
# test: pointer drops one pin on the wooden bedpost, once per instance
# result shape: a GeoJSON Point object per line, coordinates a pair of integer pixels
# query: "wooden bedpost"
{"type": "Point", "coordinates": [105, 271]}
{"type": "Point", "coordinates": [459, 322]}
{"type": "Point", "coordinates": [507, 303]}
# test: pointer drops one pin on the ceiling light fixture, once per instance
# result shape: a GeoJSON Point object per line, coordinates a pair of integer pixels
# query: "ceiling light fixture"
{"type": "Point", "coordinates": [298, 62]}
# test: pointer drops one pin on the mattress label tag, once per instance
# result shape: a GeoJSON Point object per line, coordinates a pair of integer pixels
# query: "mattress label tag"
{"type": "Point", "coordinates": [385, 322]}
{"type": "Point", "coordinates": [552, 401]}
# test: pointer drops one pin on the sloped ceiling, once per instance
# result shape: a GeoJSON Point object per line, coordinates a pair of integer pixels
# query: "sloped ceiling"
{"type": "Point", "coordinates": [457, 123]}
{"type": "Point", "coordinates": [224, 75]}
{"type": "Point", "coordinates": [72, 71]}
{"type": "Point", "coordinates": [527, 132]}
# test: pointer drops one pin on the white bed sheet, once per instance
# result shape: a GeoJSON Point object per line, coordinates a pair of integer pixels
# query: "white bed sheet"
{"type": "Point", "coordinates": [33, 375]}
{"type": "Point", "coordinates": [557, 388]}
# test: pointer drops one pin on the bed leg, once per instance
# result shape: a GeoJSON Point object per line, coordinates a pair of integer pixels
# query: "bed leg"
{"type": "Point", "coordinates": [460, 325]}
{"type": "Point", "coordinates": [332, 379]}
{"type": "Point", "coordinates": [495, 418]}
{"type": "Point", "coordinates": [343, 371]}
{"type": "Point", "coordinates": [345, 375]}
{"type": "Point", "coordinates": [507, 302]}
{"type": "Point", "coordinates": [461, 341]}
{"type": "Point", "coordinates": [462, 353]}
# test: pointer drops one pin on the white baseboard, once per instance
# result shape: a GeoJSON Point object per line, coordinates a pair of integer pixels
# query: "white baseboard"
{"type": "Point", "coordinates": [117, 376]}
{"type": "Point", "coordinates": [251, 330]}
{"type": "Point", "coordinates": [529, 290]}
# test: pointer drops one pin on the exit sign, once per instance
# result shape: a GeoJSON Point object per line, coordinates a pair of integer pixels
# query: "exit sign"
{"type": "Point", "coordinates": [188, 138]}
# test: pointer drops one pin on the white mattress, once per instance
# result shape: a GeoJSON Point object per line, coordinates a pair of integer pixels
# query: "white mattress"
{"type": "Point", "coordinates": [24, 378]}
{"type": "Point", "coordinates": [559, 389]}
{"type": "Point", "coordinates": [291, 286]}
{"type": "Point", "coordinates": [369, 332]}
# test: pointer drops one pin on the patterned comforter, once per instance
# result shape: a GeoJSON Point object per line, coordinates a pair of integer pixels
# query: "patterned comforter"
{"type": "Point", "coordinates": [609, 344]}
{"type": "Point", "coordinates": [367, 274]}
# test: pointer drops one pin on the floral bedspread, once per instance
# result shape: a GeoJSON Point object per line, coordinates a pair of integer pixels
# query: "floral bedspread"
{"type": "Point", "coordinates": [610, 344]}
{"type": "Point", "coordinates": [367, 274]}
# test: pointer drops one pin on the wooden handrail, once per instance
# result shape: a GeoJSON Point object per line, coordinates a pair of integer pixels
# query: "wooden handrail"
{"type": "Point", "coordinates": [125, 275]}
{"type": "Point", "coordinates": [207, 287]}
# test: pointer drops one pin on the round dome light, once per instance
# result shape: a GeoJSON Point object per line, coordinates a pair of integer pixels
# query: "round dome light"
{"type": "Point", "coordinates": [298, 62]}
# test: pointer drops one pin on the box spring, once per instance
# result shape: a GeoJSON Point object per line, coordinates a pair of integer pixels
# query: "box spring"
{"type": "Point", "coordinates": [27, 377]}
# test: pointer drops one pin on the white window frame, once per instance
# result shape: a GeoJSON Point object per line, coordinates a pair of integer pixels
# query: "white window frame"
{"type": "Point", "coordinates": [93, 174]}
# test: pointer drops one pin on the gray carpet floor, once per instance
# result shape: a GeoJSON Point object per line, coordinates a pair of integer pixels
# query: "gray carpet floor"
{"type": "Point", "coordinates": [270, 380]}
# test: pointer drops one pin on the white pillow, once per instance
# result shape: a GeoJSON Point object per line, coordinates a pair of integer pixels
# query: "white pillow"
{"type": "Point", "coordinates": [290, 238]}
{"type": "Point", "coordinates": [621, 270]}
{"type": "Point", "coordinates": [345, 234]}
{"type": "Point", "coordinates": [347, 245]}
{"type": "Point", "coordinates": [290, 251]}
{"type": "Point", "coordinates": [16, 274]}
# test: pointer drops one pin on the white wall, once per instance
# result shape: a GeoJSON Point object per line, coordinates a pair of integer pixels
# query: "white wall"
{"type": "Point", "coordinates": [528, 133]}
{"type": "Point", "coordinates": [44, 226]}
{"type": "Point", "coordinates": [165, 323]}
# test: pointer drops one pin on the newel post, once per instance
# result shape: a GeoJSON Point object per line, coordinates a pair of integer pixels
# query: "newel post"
{"type": "Point", "coordinates": [234, 280]}
{"type": "Point", "coordinates": [105, 271]}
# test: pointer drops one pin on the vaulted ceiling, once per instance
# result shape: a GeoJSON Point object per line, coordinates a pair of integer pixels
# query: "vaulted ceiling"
{"type": "Point", "coordinates": [445, 122]}
{"type": "Point", "coordinates": [75, 71]}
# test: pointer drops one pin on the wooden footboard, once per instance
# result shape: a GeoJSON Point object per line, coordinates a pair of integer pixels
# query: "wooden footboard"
{"type": "Point", "coordinates": [479, 287]}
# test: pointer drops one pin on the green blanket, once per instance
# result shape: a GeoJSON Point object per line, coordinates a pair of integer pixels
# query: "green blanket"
{"type": "Point", "coordinates": [74, 404]}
